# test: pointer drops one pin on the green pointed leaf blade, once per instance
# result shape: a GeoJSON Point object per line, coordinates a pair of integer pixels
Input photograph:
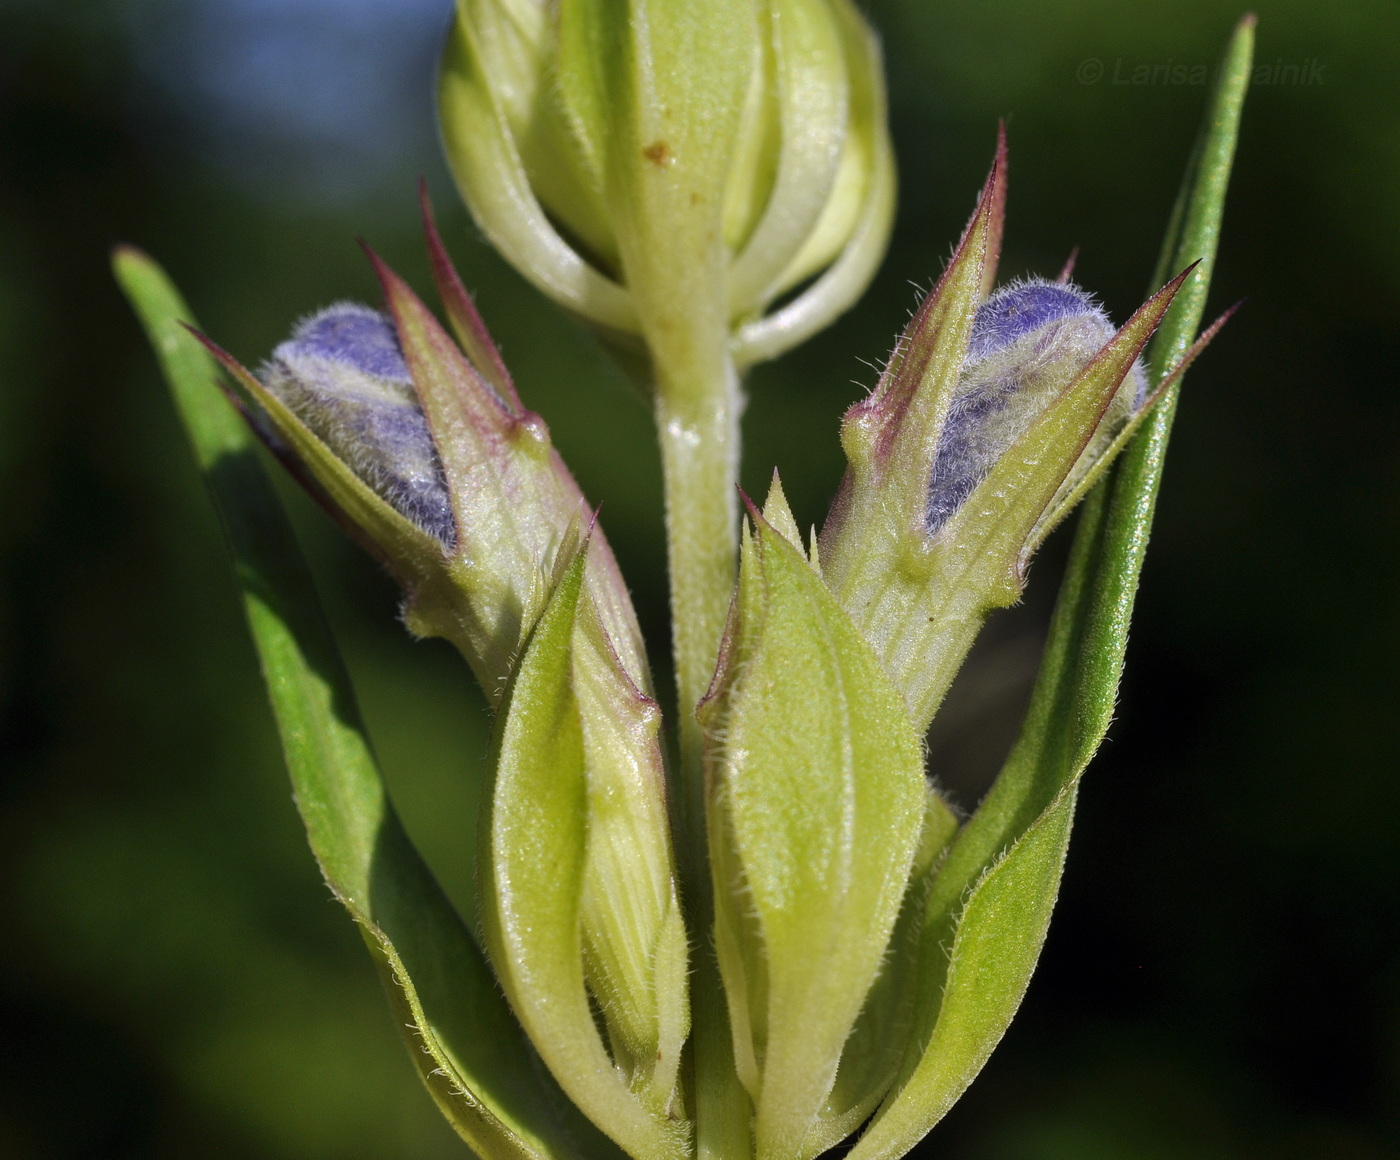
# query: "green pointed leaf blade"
{"type": "Point", "coordinates": [1027, 813]}
{"type": "Point", "coordinates": [466, 1045]}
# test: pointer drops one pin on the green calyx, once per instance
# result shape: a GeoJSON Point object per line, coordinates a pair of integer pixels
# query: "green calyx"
{"type": "Point", "coordinates": [919, 561]}
{"type": "Point", "coordinates": [816, 799]}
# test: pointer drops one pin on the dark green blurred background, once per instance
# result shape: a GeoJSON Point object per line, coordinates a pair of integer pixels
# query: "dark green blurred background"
{"type": "Point", "coordinates": [1223, 975]}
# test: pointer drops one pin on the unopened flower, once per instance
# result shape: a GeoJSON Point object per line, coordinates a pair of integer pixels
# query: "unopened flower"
{"type": "Point", "coordinates": [700, 157]}
{"type": "Point", "coordinates": [992, 418]}
{"type": "Point", "coordinates": [422, 449]}
{"type": "Point", "coordinates": [851, 947]}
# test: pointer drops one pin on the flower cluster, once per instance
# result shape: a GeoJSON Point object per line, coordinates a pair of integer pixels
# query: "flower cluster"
{"type": "Point", "coordinates": [762, 930]}
{"type": "Point", "coordinates": [992, 416]}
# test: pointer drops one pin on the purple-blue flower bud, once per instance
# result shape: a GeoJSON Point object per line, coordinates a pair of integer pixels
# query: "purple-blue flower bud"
{"type": "Point", "coordinates": [1029, 341]}
{"type": "Point", "coordinates": [343, 374]}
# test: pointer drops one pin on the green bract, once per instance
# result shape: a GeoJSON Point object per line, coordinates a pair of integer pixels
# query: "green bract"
{"type": "Point", "coordinates": [576, 894]}
{"type": "Point", "coordinates": [765, 932]}
{"type": "Point", "coordinates": [816, 797]}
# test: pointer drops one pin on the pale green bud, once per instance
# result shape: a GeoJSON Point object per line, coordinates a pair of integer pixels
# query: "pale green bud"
{"type": "Point", "coordinates": [640, 159]}
{"type": "Point", "coordinates": [815, 801]}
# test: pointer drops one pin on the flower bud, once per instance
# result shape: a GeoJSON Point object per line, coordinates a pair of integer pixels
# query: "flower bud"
{"type": "Point", "coordinates": [700, 155]}
{"type": "Point", "coordinates": [1028, 343]}
{"type": "Point", "coordinates": [992, 417]}
{"type": "Point", "coordinates": [423, 451]}
{"type": "Point", "coordinates": [815, 807]}
{"type": "Point", "coordinates": [342, 374]}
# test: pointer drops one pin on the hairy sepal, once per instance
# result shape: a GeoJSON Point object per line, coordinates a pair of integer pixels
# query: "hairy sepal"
{"type": "Point", "coordinates": [816, 800]}
{"type": "Point", "coordinates": [550, 831]}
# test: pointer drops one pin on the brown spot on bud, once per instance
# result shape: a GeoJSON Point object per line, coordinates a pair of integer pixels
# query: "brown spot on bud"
{"type": "Point", "coordinates": [659, 154]}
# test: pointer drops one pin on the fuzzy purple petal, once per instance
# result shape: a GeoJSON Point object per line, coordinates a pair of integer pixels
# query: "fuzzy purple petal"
{"type": "Point", "coordinates": [351, 334]}
{"type": "Point", "coordinates": [344, 376]}
{"type": "Point", "coordinates": [1022, 307]}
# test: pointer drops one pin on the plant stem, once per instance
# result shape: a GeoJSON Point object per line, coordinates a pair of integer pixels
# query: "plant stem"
{"type": "Point", "coordinates": [699, 433]}
{"type": "Point", "coordinates": [697, 418]}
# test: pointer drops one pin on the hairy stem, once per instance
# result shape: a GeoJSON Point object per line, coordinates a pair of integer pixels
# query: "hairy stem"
{"type": "Point", "coordinates": [697, 418]}
{"type": "Point", "coordinates": [699, 432]}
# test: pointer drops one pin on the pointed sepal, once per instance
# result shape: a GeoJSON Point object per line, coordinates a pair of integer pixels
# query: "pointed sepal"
{"type": "Point", "coordinates": [576, 892]}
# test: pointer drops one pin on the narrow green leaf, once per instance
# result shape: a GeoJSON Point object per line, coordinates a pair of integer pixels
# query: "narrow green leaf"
{"type": "Point", "coordinates": [460, 1034]}
{"type": "Point", "coordinates": [992, 899]}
